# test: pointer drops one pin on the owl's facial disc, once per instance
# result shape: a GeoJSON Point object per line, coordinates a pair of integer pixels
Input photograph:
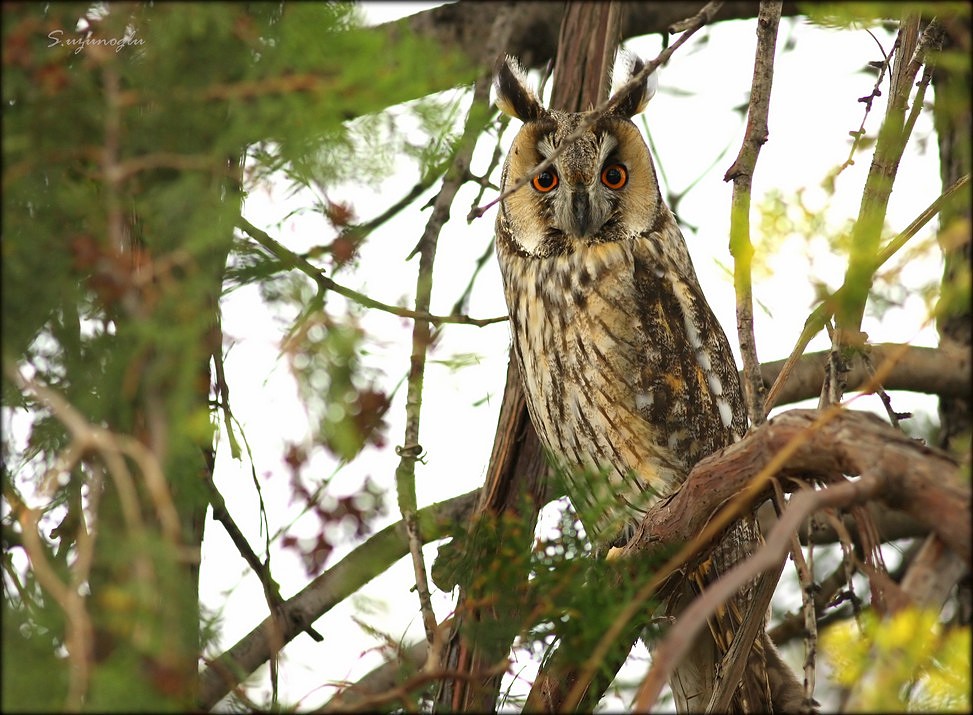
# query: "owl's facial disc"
{"type": "Point", "coordinates": [579, 200]}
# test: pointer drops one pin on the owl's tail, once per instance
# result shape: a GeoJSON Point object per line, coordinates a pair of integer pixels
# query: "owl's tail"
{"type": "Point", "coordinates": [767, 685]}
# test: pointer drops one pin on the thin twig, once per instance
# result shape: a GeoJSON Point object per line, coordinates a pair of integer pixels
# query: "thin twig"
{"type": "Point", "coordinates": [848, 560]}
{"type": "Point", "coordinates": [704, 16]}
{"type": "Point", "coordinates": [337, 583]}
{"type": "Point", "coordinates": [220, 512]}
{"type": "Point", "coordinates": [794, 624]}
{"type": "Point", "coordinates": [741, 173]}
{"type": "Point", "coordinates": [262, 570]}
{"type": "Point", "coordinates": [410, 451]}
{"type": "Point", "coordinates": [859, 134]}
{"type": "Point", "coordinates": [293, 260]}
{"type": "Point", "coordinates": [805, 577]}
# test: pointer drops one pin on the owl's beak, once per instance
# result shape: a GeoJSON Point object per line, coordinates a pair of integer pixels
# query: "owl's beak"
{"type": "Point", "coordinates": [581, 218]}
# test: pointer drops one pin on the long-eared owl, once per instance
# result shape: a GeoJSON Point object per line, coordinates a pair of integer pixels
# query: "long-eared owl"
{"type": "Point", "coordinates": [628, 376]}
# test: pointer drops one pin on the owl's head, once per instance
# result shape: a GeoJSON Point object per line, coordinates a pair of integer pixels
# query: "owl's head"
{"type": "Point", "coordinates": [600, 188]}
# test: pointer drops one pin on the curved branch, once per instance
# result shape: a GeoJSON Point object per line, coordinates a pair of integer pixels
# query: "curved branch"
{"type": "Point", "coordinates": [918, 480]}
{"type": "Point", "coordinates": [769, 556]}
{"type": "Point", "coordinates": [292, 260]}
{"type": "Point", "coordinates": [921, 481]}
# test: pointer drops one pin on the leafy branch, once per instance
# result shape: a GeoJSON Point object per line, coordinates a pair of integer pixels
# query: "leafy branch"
{"type": "Point", "coordinates": [823, 313]}
{"type": "Point", "coordinates": [294, 261]}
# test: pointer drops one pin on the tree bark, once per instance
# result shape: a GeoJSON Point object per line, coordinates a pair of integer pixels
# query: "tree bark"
{"type": "Point", "coordinates": [535, 26]}
{"type": "Point", "coordinates": [951, 115]}
{"type": "Point", "coordinates": [920, 481]}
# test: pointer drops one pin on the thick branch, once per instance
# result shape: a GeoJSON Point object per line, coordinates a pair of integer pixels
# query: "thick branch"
{"type": "Point", "coordinates": [920, 481]}
{"type": "Point", "coordinates": [935, 371]}
{"type": "Point", "coordinates": [767, 558]}
{"type": "Point", "coordinates": [900, 472]}
{"type": "Point", "coordinates": [535, 25]}
{"type": "Point", "coordinates": [891, 525]}
{"type": "Point", "coordinates": [330, 588]}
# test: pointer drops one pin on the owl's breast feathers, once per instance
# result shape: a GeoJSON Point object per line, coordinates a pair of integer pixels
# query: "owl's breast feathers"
{"type": "Point", "coordinates": [628, 374]}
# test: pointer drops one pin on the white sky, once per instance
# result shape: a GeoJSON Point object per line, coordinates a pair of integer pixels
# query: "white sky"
{"type": "Point", "coordinates": [813, 108]}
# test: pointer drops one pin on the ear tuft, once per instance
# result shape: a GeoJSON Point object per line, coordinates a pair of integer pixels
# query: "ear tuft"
{"type": "Point", "coordinates": [514, 96]}
{"type": "Point", "coordinates": [631, 102]}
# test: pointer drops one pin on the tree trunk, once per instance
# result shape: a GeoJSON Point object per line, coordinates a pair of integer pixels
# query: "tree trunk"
{"type": "Point", "coordinates": [951, 114]}
{"type": "Point", "coordinates": [515, 485]}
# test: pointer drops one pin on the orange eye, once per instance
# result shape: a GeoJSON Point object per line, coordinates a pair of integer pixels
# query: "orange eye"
{"type": "Point", "coordinates": [614, 176]}
{"type": "Point", "coordinates": [545, 181]}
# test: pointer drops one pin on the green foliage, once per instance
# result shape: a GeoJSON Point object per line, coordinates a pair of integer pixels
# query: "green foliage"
{"type": "Point", "coordinates": [795, 228]}
{"type": "Point", "coordinates": [345, 410]}
{"type": "Point", "coordinates": [28, 651]}
{"type": "Point", "coordinates": [857, 14]}
{"type": "Point", "coordinates": [905, 662]}
{"type": "Point", "coordinates": [555, 592]}
{"type": "Point", "coordinates": [126, 132]}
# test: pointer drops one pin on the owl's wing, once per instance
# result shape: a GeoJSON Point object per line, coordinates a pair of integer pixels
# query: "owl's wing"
{"type": "Point", "coordinates": [694, 399]}
{"type": "Point", "coordinates": [689, 377]}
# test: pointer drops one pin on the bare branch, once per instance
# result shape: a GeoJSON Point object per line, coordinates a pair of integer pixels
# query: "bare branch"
{"type": "Point", "coordinates": [741, 173]}
{"type": "Point", "coordinates": [933, 573]}
{"type": "Point", "coordinates": [895, 469]}
{"type": "Point", "coordinates": [793, 624]}
{"type": "Point", "coordinates": [410, 450]}
{"type": "Point", "coordinates": [805, 577]}
{"type": "Point", "coordinates": [919, 480]}
{"type": "Point", "coordinates": [935, 371]}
